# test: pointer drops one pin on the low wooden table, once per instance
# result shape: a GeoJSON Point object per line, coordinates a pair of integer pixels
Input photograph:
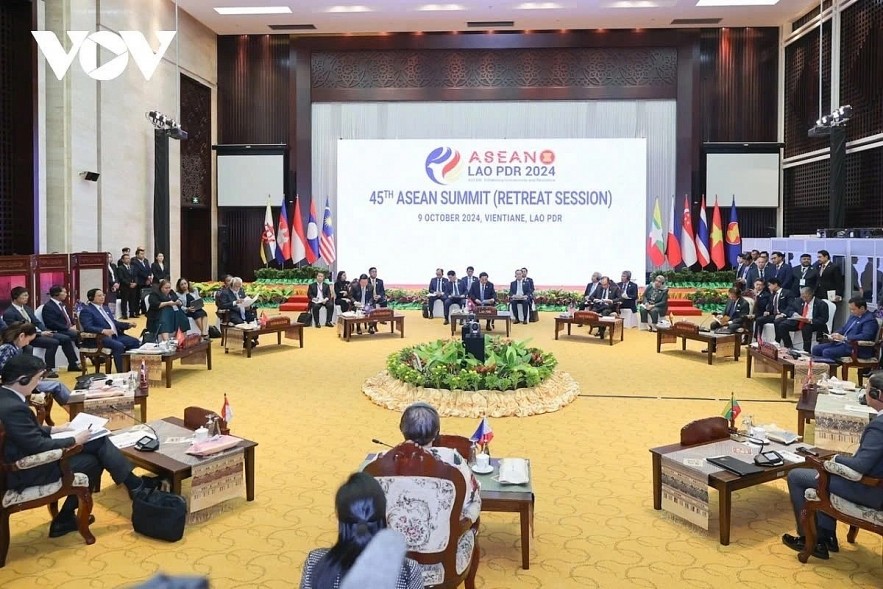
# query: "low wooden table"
{"type": "Point", "coordinates": [175, 471]}
{"type": "Point", "coordinates": [169, 357]}
{"type": "Point", "coordinates": [784, 363]}
{"type": "Point", "coordinates": [806, 409]}
{"type": "Point", "coordinates": [500, 316]}
{"type": "Point", "coordinates": [346, 324]}
{"type": "Point", "coordinates": [706, 337]}
{"type": "Point", "coordinates": [250, 335]}
{"type": "Point", "coordinates": [77, 406]}
{"type": "Point", "coordinates": [614, 326]}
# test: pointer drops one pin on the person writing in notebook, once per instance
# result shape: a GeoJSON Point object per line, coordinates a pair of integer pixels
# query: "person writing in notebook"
{"type": "Point", "coordinates": [807, 315]}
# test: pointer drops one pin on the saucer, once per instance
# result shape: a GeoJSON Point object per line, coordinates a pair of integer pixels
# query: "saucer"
{"type": "Point", "coordinates": [475, 468]}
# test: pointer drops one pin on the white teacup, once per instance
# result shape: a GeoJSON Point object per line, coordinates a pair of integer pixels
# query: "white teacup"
{"type": "Point", "coordinates": [200, 435]}
{"type": "Point", "coordinates": [482, 461]}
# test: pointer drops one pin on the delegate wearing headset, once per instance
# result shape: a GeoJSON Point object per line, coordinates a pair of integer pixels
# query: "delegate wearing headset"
{"type": "Point", "coordinates": [24, 437]}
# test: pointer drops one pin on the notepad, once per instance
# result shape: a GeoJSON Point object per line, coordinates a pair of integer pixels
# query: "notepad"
{"type": "Point", "coordinates": [85, 422]}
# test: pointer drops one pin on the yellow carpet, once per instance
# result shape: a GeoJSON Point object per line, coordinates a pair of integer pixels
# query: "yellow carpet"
{"type": "Point", "coordinates": [595, 525]}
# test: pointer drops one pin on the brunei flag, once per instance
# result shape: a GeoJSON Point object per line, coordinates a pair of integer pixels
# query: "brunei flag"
{"type": "Point", "coordinates": [268, 237]}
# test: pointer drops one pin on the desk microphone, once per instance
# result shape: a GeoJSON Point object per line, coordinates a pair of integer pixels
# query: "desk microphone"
{"type": "Point", "coordinates": [376, 441]}
{"type": "Point", "coordinates": [145, 444]}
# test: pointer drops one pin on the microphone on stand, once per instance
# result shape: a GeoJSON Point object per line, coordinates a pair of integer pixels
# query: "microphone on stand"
{"type": "Point", "coordinates": [376, 441]}
{"type": "Point", "coordinates": [145, 444]}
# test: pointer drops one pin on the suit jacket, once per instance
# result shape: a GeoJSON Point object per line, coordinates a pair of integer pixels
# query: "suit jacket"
{"type": "Point", "coordinates": [526, 288]}
{"type": "Point", "coordinates": [754, 273]}
{"type": "Point", "coordinates": [529, 279]}
{"type": "Point", "coordinates": [112, 275]}
{"type": "Point", "coordinates": [829, 279]}
{"type": "Point", "coordinates": [786, 302]}
{"type": "Point", "coordinates": [736, 310]}
{"type": "Point", "coordinates": [761, 303]}
{"type": "Point", "coordinates": [377, 286]}
{"type": "Point", "coordinates": [92, 322]}
{"type": "Point", "coordinates": [785, 274]}
{"type": "Point", "coordinates": [24, 438]}
{"type": "Point", "coordinates": [125, 275]}
{"type": "Point", "coordinates": [819, 310]}
{"type": "Point", "coordinates": [54, 317]}
{"type": "Point", "coordinates": [809, 275]}
{"type": "Point", "coordinates": [141, 271]}
{"type": "Point", "coordinates": [313, 291]}
{"type": "Point", "coordinates": [862, 328]}
{"type": "Point", "coordinates": [475, 292]}
{"type": "Point", "coordinates": [868, 460]}
{"type": "Point", "coordinates": [613, 292]}
{"type": "Point", "coordinates": [11, 315]}
{"type": "Point", "coordinates": [356, 294]}
{"type": "Point", "coordinates": [628, 295]}
{"type": "Point", "coordinates": [592, 289]}
{"type": "Point", "coordinates": [437, 285]}
{"type": "Point", "coordinates": [466, 283]}
{"type": "Point", "coordinates": [449, 289]}
{"type": "Point", "coordinates": [742, 271]}
{"type": "Point", "coordinates": [160, 272]}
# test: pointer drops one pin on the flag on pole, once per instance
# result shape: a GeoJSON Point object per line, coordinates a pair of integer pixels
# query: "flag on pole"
{"type": "Point", "coordinates": [702, 236]}
{"type": "Point", "coordinates": [268, 239]}
{"type": "Point", "coordinates": [299, 247]}
{"type": "Point", "coordinates": [312, 234]}
{"type": "Point", "coordinates": [143, 382]}
{"type": "Point", "coordinates": [326, 238]}
{"type": "Point", "coordinates": [732, 410]}
{"type": "Point", "coordinates": [484, 433]}
{"type": "Point", "coordinates": [283, 241]}
{"type": "Point", "coordinates": [672, 247]}
{"type": "Point", "coordinates": [226, 410]}
{"type": "Point", "coordinates": [656, 242]}
{"type": "Point", "coordinates": [688, 246]}
{"type": "Point", "coordinates": [717, 238]}
{"type": "Point", "coordinates": [734, 240]}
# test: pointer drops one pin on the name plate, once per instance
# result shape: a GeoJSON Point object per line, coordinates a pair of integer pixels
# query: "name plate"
{"type": "Point", "coordinates": [486, 311]}
{"type": "Point", "coordinates": [278, 321]}
{"type": "Point", "coordinates": [381, 314]}
{"type": "Point", "coordinates": [586, 316]}
{"type": "Point", "coordinates": [769, 351]}
{"type": "Point", "coordinates": [685, 327]}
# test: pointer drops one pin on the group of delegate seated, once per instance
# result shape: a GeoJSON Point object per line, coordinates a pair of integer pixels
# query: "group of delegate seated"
{"type": "Point", "coordinates": [479, 292]}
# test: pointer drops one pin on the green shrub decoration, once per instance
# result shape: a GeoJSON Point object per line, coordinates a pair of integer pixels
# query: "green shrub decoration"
{"type": "Point", "coordinates": [444, 364]}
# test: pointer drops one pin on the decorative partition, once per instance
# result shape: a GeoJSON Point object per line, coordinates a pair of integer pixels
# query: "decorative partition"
{"type": "Point", "coordinates": [38, 273]}
{"type": "Point", "coordinates": [88, 271]}
{"type": "Point", "coordinates": [15, 271]}
{"type": "Point", "coordinates": [49, 270]}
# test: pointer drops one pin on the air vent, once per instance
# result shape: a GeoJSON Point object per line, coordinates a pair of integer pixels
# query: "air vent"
{"type": "Point", "coordinates": [293, 27]}
{"type": "Point", "coordinates": [489, 24]}
{"type": "Point", "coordinates": [696, 21]}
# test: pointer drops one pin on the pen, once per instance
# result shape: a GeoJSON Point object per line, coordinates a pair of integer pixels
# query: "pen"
{"type": "Point", "coordinates": [90, 427]}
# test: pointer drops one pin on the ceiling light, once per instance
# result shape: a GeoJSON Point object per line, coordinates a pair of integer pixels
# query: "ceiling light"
{"type": "Point", "coordinates": [231, 10]}
{"type": "Point", "coordinates": [354, 8]}
{"type": "Point", "coordinates": [538, 6]}
{"type": "Point", "coordinates": [441, 7]}
{"type": "Point", "coordinates": [737, 2]}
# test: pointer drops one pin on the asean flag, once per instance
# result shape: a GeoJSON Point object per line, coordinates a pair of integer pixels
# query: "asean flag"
{"type": "Point", "coordinates": [734, 239]}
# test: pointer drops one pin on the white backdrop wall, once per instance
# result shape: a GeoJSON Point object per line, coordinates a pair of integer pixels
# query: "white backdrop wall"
{"type": "Point", "coordinates": [654, 120]}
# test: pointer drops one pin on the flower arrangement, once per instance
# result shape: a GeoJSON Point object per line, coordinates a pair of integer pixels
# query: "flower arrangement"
{"type": "Point", "coordinates": [444, 364]}
{"type": "Point", "coordinates": [298, 275]}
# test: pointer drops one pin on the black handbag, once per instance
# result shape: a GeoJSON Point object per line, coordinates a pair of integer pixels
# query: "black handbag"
{"type": "Point", "coordinates": [425, 310]}
{"type": "Point", "coordinates": [157, 514]}
{"type": "Point", "coordinates": [305, 319]}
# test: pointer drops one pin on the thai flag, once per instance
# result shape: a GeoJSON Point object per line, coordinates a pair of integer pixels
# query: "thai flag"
{"type": "Point", "coordinates": [226, 410]}
{"type": "Point", "coordinates": [484, 433]}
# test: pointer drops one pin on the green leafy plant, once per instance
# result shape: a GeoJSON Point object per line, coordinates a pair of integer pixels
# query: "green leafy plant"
{"type": "Point", "coordinates": [299, 275]}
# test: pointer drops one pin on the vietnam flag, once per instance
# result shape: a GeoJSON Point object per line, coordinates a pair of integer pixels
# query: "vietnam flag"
{"type": "Point", "coordinates": [672, 247]}
{"type": "Point", "coordinates": [717, 238]}
{"type": "Point", "coordinates": [655, 242]}
{"type": "Point", "coordinates": [299, 242]}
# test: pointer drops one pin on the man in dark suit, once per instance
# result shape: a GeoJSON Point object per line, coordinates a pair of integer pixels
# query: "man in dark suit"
{"type": "Point", "coordinates": [320, 295]}
{"type": "Point", "coordinates": [436, 289]}
{"type": "Point", "coordinates": [533, 290]}
{"type": "Point", "coordinates": [745, 264]}
{"type": "Point", "coordinates": [830, 278]}
{"type": "Point", "coordinates": [58, 321]}
{"type": "Point", "coordinates": [377, 288]}
{"type": "Point", "coordinates": [483, 294]}
{"type": "Point", "coordinates": [113, 282]}
{"type": "Point", "coordinates": [777, 305]}
{"type": "Point", "coordinates": [362, 297]}
{"type": "Point", "coordinates": [128, 288]}
{"type": "Point", "coordinates": [761, 296]}
{"type": "Point", "coordinates": [605, 301]}
{"type": "Point", "coordinates": [861, 326]}
{"type": "Point", "coordinates": [808, 315]}
{"type": "Point", "coordinates": [45, 340]}
{"type": "Point", "coordinates": [455, 294]}
{"type": "Point", "coordinates": [520, 293]}
{"type": "Point", "coordinates": [591, 291]}
{"type": "Point", "coordinates": [760, 270]}
{"type": "Point", "coordinates": [804, 275]}
{"type": "Point", "coordinates": [143, 277]}
{"type": "Point", "coordinates": [96, 318]}
{"type": "Point", "coordinates": [866, 461]}
{"type": "Point", "coordinates": [628, 292]}
{"type": "Point", "coordinates": [467, 281]}
{"type": "Point", "coordinates": [783, 270]}
{"type": "Point", "coordinates": [230, 299]}
{"type": "Point", "coordinates": [24, 437]}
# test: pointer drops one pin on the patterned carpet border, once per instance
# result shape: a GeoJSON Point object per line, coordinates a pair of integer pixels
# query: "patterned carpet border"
{"type": "Point", "coordinates": [557, 391]}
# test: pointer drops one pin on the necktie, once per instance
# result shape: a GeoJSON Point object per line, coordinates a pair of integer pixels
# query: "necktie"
{"type": "Point", "coordinates": [803, 271]}
{"type": "Point", "coordinates": [805, 314]}
{"type": "Point", "coordinates": [110, 323]}
{"type": "Point", "coordinates": [605, 294]}
{"type": "Point", "coordinates": [363, 296]}
{"type": "Point", "coordinates": [482, 293]}
{"type": "Point", "coordinates": [849, 326]}
{"type": "Point", "coordinates": [822, 269]}
{"type": "Point", "coordinates": [67, 318]}
{"type": "Point", "coordinates": [776, 304]}
{"type": "Point", "coordinates": [456, 291]}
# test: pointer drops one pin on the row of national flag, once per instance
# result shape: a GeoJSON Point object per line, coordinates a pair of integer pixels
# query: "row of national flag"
{"type": "Point", "coordinates": [309, 244]}
{"type": "Point", "coordinates": [681, 245]}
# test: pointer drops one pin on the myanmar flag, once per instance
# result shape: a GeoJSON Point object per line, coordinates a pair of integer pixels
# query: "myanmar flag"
{"type": "Point", "coordinates": [655, 242]}
{"type": "Point", "coordinates": [732, 410]}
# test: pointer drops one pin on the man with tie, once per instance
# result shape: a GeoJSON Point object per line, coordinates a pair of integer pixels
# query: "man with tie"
{"type": "Point", "coordinates": [320, 295]}
{"type": "Point", "coordinates": [436, 290]}
{"type": "Point", "coordinates": [20, 311]}
{"type": "Point", "coordinates": [529, 280]}
{"type": "Point", "coordinates": [779, 302]}
{"type": "Point", "coordinates": [783, 270]}
{"type": "Point", "coordinates": [96, 318]}
{"type": "Point", "coordinates": [761, 270]}
{"type": "Point", "coordinates": [745, 264]}
{"type": "Point", "coordinates": [58, 321]}
{"type": "Point", "coordinates": [605, 301]}
{"type": "Point", "coordinates": [483, 294]}
{"type": "Point", "coordinates": [377, 288]}
{"type": "Point", "coordinates": [128, 288]}
{"type": "Point", "coordinates": [808, 315]}
{"type": "Point", "coordinates": [113, 283]}
{"type": "Point", "coordinates": [143, 278]}
{"type": "Point", "coordinates": [591, 291]}
{"type": "Point", "coordinates": [804, 275]}
{"type": "Point", "coordinates": [520, 293]}
{"type": "Point", "coordinates": [363, 297]}
{"type": "Point", "coordinates": [628, 292]}
{"type": "Point", "coordinates": [761, 296]}
{"type": "Point", "coordinates": [454, 295]}
{"type": "Point", "coordinates": [830, 278]}
{"type": "Point", "coordinates": [861, 326]}
{"type": "Point", "coordinates": [467, 281]}
{"type": "Point", "coordinates": [735, 312]}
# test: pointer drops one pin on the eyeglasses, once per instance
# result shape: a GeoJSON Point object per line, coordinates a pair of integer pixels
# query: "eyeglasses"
{"type": "Point", "coordinates": [874, 394]}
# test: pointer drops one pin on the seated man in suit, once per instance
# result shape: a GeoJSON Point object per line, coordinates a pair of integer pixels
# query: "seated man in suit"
{"type": "Point", "coordinates": [761, 296]}
{"type": "Point", "coordinates": [778, 302]}
{"type": "Point", "coordinates": [363, 298]}
{"type": "Point", "coordinates": [605, 301]}
{"type": "Point", "coordinates": [58, 321]}
{"type": "Point", "coordinates": [231, 299]}
{"type": "Point", "coordinates": [96, 318]}
{"type": "Point", "coordinates": [377, 288]}
{"type": "Point", "coordinates": [320, 295]}
{"type": "Point", "coordinates": [628, 292]}
{"type": "Point", "coordinates": [520, 293]}
{"type": "Point", "coordinates": [20, 311]}
{"type": "Point", "coordinates": [19, 377]}
{"type": "Point", "coordinates": [455, 294]}
{"type": "Point", "coordinates": [436, 289]}
{"type": "Point", "coordinates": [867, 460]}
{"type": "Point", "coordinates": [733, 317]}
{"type": "Point", "coordinates": [861, 326]}
{"type": "Point", "coordinates": [591, 291]}
{"type": "Point", "coordinates": [483, 294]}
{"type": "Point", "coordinates": [807, 314]}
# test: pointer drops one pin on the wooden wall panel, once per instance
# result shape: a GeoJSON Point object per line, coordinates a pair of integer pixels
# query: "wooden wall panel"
{"type": "Point", "coordinates": [802, 90]}
{"type": "Point", "coordinates": [861, 67]}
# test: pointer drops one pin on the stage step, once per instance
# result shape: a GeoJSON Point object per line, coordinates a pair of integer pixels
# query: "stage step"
{"type": "Point", "coordinates": [296, 303]}
{"type": "Point", "coordinates": [683, 308]}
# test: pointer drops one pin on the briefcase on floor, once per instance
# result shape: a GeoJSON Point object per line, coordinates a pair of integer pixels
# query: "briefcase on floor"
{"type": "Point", "coordinates": [426, 310]}
{"type": "Point", "coordinates": [158, 514]}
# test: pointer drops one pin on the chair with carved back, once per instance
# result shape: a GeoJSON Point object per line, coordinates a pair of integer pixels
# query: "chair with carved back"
{"type": "Point", "coordinates": [196, 417]}
{"type": "Point", "coordinates": [424, 501]}
{"type": "Point", "coordinates": [91, 349]}
{"type": "Point", "coordinates": [69, 483]}
{"type": "Point", "coordinates": [821, 500]}
{"type": "Point", "coordinates": [862, 364]}
{"type": "Point", "coordinates": [461, 444]}
{"type": "Point", "coordinates": [704, 430]}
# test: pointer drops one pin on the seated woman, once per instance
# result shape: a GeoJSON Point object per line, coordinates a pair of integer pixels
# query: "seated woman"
{"type": "Point", "coordinates": [13, 340]}
{"type": "Point", "coordinates": [164, 314]}
{"type": "Point", "coordinates": [342, 292]}
{"type": "Point", "coordinates": [187, 294]}
{"type": "Point", "coordinates": [361, 514]}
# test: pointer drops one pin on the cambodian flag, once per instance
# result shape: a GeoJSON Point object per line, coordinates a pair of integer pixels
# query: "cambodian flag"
{"type": "Point", "coordinates": [484, 433]}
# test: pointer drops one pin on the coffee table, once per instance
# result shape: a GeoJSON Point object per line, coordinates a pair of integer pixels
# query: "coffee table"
{"type": "Point", "coordinates": [204, 346]}
{"type": "Point", "coordinates": [249, 335]}
{"type": "Point", "coordinates": [500, 316]}
{"type": "Point", "coordinates": [346, 324]}
{"type": "Point", "coordinates": [175, 471]}
{"type": "Point", "coordinates": [614, 326]}
{"type": "Point", "coordinates": [784, 364]}
{"type": "Point", "coordinates": [724, 342]}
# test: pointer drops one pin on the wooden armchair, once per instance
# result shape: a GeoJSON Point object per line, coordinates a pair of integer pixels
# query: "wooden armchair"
{"type": "Point", "coordinates": [862, 364]}
{"type": "Point", "coordinates": [196, 417]}
{"type": "Point", "coordinates": [821, 500]}
{"type": "Point", "coordinates": [70, 483]}
{"type": "Point", "coordinates": [424, 501]}
{"type": "Point", "coordinates": [91, 348]}
{"type": "Point", "coordinates": [704, 430]}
